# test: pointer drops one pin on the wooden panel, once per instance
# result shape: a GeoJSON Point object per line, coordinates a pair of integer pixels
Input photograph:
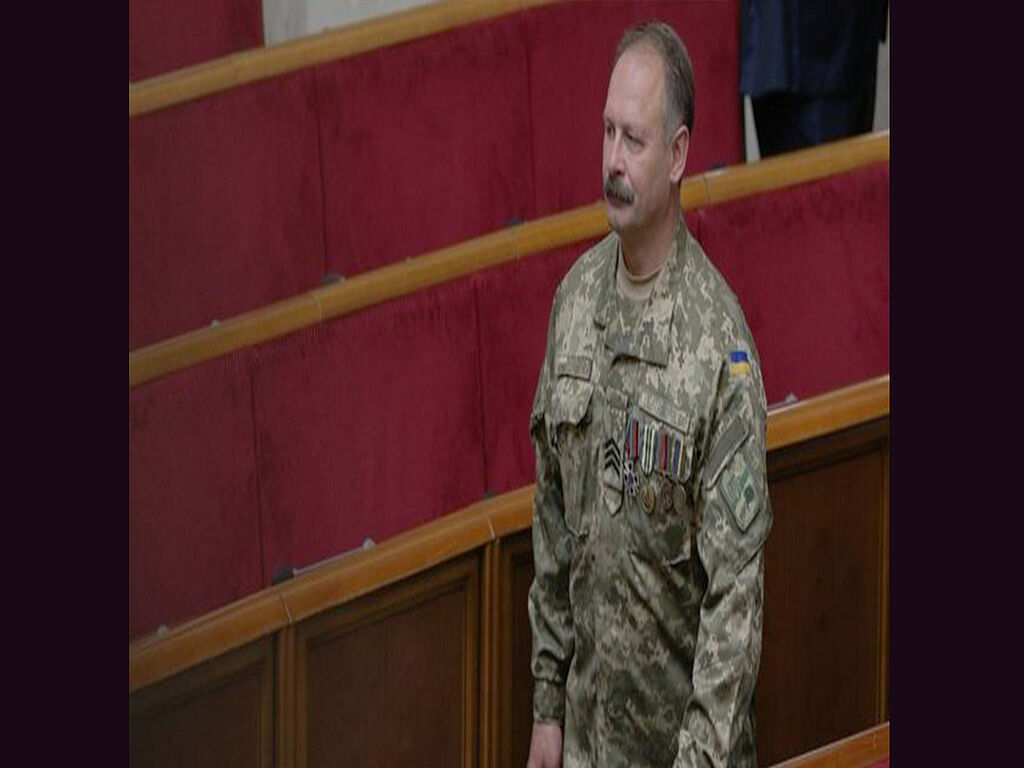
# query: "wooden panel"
{"type": "Point", "coordinates": [218, 714]}
{"type": "Point", "coordinates": [392, 678]}
{"type": "Point", "coordinates": [284, 700]}
{"type": "Point", "coordinates": [820, 664]}
{"type": "Point", "coordinates": [516, 678]}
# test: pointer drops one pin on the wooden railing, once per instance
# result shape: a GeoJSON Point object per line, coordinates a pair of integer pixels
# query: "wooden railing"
{"type": "Point", "coordinates": [435, 619]}
{"type": "Point", "coordinates": [251, 66]}
{"type": "Point", "coordinates": [861, 750]}
{"type": "Point", "coordinates": [446, 264]}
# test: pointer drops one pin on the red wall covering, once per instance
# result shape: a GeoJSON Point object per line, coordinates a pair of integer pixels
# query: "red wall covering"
{"type": "Point", "coordinates": [164, 35]}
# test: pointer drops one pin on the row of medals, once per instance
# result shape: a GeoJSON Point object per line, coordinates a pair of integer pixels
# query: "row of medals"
{"type": "Point", "coordinates": [645, 444]}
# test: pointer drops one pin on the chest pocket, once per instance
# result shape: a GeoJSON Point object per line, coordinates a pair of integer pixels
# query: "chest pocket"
{"type": "Point", "coordinates": [661, 512]}
{"type": "Point", "coordinates": [569, 418]}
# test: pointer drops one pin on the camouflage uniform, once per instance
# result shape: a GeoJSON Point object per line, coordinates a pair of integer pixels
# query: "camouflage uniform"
{"type": "Point", "coordinates": [650, 518]}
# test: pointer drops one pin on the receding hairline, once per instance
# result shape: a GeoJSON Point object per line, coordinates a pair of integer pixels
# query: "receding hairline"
{"type": "Point", "coordinates": [677, 84]}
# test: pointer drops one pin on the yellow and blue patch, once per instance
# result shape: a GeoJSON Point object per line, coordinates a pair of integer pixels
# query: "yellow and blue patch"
{"type": "Point", "coordinates": [739, 363]}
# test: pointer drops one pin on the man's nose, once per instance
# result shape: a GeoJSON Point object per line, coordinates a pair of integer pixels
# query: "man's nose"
{"type": "Point", "coordinates": [615, 166]}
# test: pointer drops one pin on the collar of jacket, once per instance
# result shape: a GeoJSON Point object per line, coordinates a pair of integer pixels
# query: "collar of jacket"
{"type": "Point", "coordinates": [648, 339]}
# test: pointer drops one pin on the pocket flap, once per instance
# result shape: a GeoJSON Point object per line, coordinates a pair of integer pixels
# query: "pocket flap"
{"type": "Point", "coordinates": [570, 400]}
{"type": "Point", "coordinates": [664, 411]}
{"type": "Point", "coordinates": [576, 366]}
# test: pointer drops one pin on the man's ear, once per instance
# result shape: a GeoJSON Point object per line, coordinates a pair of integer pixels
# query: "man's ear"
{"type": "Point", "coordinates": [680, 146]}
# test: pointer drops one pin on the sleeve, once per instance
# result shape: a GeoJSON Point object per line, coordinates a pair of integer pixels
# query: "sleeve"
{"type": "Point", "coordinates": [549, 609]}
{"type": "Point", "coordinates": [735, 516]}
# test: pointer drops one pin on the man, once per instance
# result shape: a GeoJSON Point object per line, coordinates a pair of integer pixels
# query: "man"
{"type": "Point", "coordinates": [651, 510]}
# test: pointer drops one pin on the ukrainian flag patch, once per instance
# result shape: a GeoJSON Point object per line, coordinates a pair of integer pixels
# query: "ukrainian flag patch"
{"type": "Point", "coordinates": [739, 363]}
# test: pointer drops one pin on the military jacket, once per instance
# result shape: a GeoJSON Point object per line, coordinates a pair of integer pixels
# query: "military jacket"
{"type": "Point", "coordinates": [650, 518]}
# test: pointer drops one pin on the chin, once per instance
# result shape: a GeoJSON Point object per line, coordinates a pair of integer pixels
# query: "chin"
{"type": "Point", "coordinates": [617, 218]}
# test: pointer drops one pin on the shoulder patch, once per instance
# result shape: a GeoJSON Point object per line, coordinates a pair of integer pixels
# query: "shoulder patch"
{"type": "Point", "coordinates": [740, 490]}
{"type": "Point", "coordinates": [726, 445]}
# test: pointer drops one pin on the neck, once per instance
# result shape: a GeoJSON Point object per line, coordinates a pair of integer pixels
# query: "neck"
{"type": "Point", "coordinates": [645, 251]}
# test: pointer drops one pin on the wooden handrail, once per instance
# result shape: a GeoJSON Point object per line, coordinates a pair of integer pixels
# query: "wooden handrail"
{"type": "Point", "coordinates": [833, 411]}
{"type": "Point", "coordinates": [346, 578]}
{"type": "Point", "coordinates": [446, 264]}
{"type": "Point", "coordinates": [250, 66]}
{"type": "Point", "coordinates": [861, 750]}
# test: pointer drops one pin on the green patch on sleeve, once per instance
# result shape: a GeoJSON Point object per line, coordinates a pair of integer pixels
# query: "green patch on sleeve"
{"type": "Point", "coordinates": [741, 491]}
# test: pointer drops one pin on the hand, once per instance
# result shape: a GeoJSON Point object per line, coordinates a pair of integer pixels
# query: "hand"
{"type": "Point", "coordinates": [545, 746]}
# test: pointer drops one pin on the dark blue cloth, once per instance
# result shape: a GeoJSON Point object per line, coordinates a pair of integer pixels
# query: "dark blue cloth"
{"type": "Point", "coordinates": [809, 67]}
{"type": "Point", "coordinates": [810, 47]}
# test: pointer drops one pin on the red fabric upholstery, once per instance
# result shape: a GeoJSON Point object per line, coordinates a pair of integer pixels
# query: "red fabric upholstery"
{"type": "Point", "coordinates": [193, 528]}
{"type": "Point", "coordinates": [224, 207]}
{"type": "Point", "coordinates": [368, 425]}
{"type": "Point", "coordinates": [810, 265]}
{"type": "Point", "coordinates": [571, 50]}
{"type": "Point", "coordinates": [425, 144]}
{"type": "Point", "coordinates": [514, 304]}
{"type": "Point", "coordinates": [164, 35]}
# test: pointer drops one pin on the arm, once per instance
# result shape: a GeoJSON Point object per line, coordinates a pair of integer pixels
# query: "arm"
{"type": "Point", "coordinates": [735, 517]}
{"type": "Point", "coordinates": [549, 609]}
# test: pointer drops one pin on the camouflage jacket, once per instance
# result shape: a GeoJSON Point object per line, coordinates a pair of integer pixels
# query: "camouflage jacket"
{"type": "Point", "coordinates": [650, 518]}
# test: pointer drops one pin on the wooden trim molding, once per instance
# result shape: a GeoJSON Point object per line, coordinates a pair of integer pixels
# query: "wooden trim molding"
{"type": "Point", "coordinates": [441, 266]}
{"type": "Point", "coordinates": [352, 575]}
{"type": "Point", "coordinates": [831, 412]}
{"type": "Point", "coordinates": [238, 69]}
{"type": "Point", "coordinates": [861, 750]}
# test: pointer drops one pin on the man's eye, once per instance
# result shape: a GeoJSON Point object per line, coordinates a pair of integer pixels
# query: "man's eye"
{"type": "Point", "coordinates": [634, 142]}
{"type": "Point", "coordinates": [609, 131]}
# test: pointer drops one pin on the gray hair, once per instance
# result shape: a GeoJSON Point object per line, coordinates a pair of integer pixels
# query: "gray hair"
{"type": "Point", "coordinates": [677, 66]}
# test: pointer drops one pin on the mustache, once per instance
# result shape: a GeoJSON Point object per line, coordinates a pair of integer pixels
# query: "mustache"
{"type": "Point", "coordinates": [613, 187]}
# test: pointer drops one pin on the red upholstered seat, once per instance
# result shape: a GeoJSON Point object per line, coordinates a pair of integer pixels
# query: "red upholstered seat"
{"type": "Point", "coordinates": [193, 528]}
{"type": "Point", "coordinates": [164, 35]}
{"type": "Point", "coordinates": [368, 425]}
{"type": "Point", "coordinates": [514, 303]}
{"type": "Point", "coordinates": [247, 197]}
{"type": "Point", "coordinates": [425, 144]}
{"type": "Point", "coordinates": [810, 265]}
{"type": "Point", "coordinates": [225, 211]}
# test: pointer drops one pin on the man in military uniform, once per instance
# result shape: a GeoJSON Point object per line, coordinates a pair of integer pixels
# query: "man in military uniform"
{"type": "Point", "coordinates": [652, 509]}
